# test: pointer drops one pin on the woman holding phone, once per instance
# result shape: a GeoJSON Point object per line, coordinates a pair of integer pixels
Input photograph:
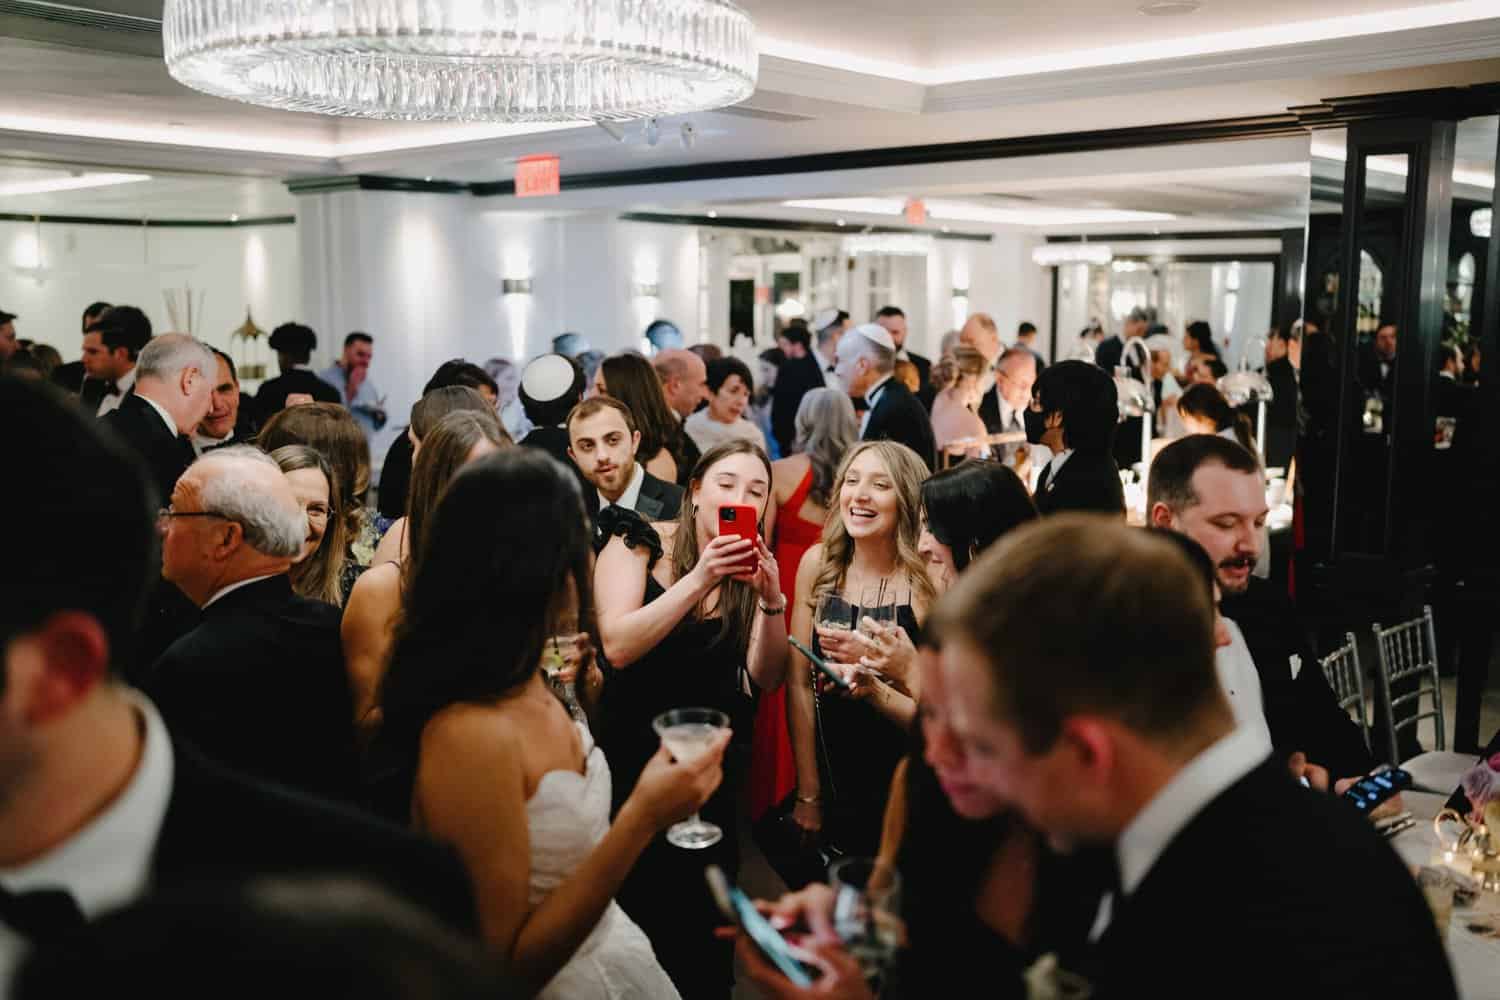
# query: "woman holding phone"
{"type": "Point", "coordinates": [847, 743]}
{"type": "Point", "coordinates": [689, 616]}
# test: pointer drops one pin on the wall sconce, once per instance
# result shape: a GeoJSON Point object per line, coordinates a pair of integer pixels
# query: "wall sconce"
{"type": "Point", "coordinates": [645, 290]}
{"type": "Point", "coordinates": [960, 293]}
{"type": "Point", "coordinates": [515, 286]}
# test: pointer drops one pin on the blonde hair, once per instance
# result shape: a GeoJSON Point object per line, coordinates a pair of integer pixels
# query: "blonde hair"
{"type": "Point", "coordinates": [963, 360]}
{"type": "Point", "coordinates": [908, 471]}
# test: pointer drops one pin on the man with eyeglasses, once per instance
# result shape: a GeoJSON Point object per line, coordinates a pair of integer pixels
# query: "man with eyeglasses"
{"type": "Point", "coordinates": [259, 684]}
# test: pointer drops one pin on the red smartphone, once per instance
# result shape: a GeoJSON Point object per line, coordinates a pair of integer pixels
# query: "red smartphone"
{"type": "Point", "coordinates": [740, 519]}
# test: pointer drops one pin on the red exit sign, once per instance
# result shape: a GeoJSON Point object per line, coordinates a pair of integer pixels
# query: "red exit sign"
{"type": "Point", "coordinates": [537, 176]}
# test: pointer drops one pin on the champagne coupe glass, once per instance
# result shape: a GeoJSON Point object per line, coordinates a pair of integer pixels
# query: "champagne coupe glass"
{"type": "Point", "coordinates": [687, 733]}
{"type": "Point", "coordinates": [866, 912]}
{"type": "Point", "coordinates": [553, 661]}
{"type": "Point", "coordinates": [877, 610]}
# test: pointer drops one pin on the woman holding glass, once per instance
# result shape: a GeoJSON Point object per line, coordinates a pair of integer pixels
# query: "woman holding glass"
{"type": "Point", "coordinates": [862, 594]}
{"type": "Point", "coordinates": [688, 618]}
{"type": "Point", "coordinates": [487, 757]}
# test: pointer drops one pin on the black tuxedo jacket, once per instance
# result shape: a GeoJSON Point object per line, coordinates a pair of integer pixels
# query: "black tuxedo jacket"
{"type": "Point", "coordinates": [395, 477]}
{"type": "Point", "coordinates": [1302, 714]}
{"type": "Point", "coordinates": [1088, 481]}
{"type": "Point", "coordinates": [260, 686]}
{"type": "Point", "coordinates": [793, 381]}
{"type": "Point", "coordinates": [1273, 890]}
{"type": "Point", "coordinates": [221, 826]}
{"type": "Point", "coordinates": [270, 399]}
{"type": "Point", "coordinates": [899, 416]}
{"type": "Point", "coordinates": [658, 501]}
{"type": "Point", "coordinates": [686, 453]}
{"type": "Point", "coordinates": [166, 454]}
{"type": "Point", "coordinates": [1107, 355]}
{"type": "Point", "coordinates": [1281, 414]}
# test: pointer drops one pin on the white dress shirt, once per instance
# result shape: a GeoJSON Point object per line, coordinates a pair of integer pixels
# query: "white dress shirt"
{"type": "Point", "coordinates": [111, 403]}
{"type": "Point", "coordinates": [107, 863]}
{"type": "Point", "coordinates": [632, 493]}
{"type": "Point", "coordinates": [1175, 805]}
{"type": "Point", "coordinates": [1241, 682]}
{"type": "Point", "coordinates": [1054, 466]}
{"type": "Point", "coordinates": [871, 398]}
{"type": "Point", "coordinates": [235, 586]}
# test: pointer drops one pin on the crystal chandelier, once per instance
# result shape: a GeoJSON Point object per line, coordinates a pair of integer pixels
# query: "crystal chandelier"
{"type": "Point", "coordinates": [466, 60]}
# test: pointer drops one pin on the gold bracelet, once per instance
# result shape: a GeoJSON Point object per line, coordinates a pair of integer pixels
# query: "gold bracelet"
{"type": "Point", "coordinates": [813, 801]}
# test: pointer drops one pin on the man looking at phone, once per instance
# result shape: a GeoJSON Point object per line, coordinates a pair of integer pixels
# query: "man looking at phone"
{"type": "Point", "coordinates": [602, 439]}
{"type": "Point", "coordinates": [1212, 490]}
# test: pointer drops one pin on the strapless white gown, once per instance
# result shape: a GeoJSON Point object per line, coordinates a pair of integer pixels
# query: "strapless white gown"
{"type": "Point", "coordinates": [568, 815]}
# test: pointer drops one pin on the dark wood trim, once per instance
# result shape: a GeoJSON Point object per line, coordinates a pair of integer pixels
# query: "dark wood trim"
{"type": "Point", "coordinates": [1052, 331]}
{"type": "Point", "coordinates": [91, 220]}
{"type": "Point", "coordinates": [787, 225]}
{"type": "Point", "coordinates": [1228, 234]}
{"type": "Point", "coordinates": [374, 182]}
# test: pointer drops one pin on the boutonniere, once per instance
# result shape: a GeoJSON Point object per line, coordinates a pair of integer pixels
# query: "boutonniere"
{"type": "Point", "coordinates": [1045, 979]}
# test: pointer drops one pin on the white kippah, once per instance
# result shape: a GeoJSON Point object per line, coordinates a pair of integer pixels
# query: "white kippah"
{"type": "Point", "coordinates": [875, 334]}
{"type": "Point", "coordinates": [824, 319]}
{"type": "Point", "coordinates": [1161, 342]}
{"type": "Point", "coordinates": [547, 378]}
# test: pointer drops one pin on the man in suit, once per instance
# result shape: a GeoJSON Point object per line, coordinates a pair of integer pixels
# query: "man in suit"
{"type": "Point", "coordinates": [1099, 717]}
{"type": "Point", "coordinates": [551, 385]}
{"type": "Point", "coordinates": [260, 684]}
{"type": "Point", "coordinates": [1074, 412]}
{"type": "Point", "coordinates": [294, 344]}
{"type": "Point", "coordinates": [894, 321]}
{"type": "Point", "coordinates": [828, 326]}
{"type": "Point", "coordinates": [221, 425]}
{"type": "Point", "coordinates": [684, 381]}
{"type": "Point", "coordinates": [99, 801]}
{"type": "Point", "coordinates": [173, 379]}
{"type": "Point", "coordinates": [798, 374]}
{"type": "Point", "coordinates": [73, 376]}
{"type": "Point", "coordinates": [1026, 337]}
{"type": "Point", "coordinates": [1107, 355]}
{"type": "Point", "coordinates": [604, 439]}
{"type": "Point", "coordinates": [1212, 490]}
{"type": "Point", "coordinates": [111, 346]}
{"type": "Point", "coordinates": [1283, 353]}
{"type": "Point", "coordinates": [866, 365]}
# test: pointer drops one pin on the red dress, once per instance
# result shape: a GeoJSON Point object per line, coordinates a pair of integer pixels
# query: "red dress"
{"type": "Point", "coordinates": [773, 770]}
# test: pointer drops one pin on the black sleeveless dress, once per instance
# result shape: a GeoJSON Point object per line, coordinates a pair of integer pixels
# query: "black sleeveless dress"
{"type": "Point", "coordinates": [692, 667]}
{"type": "Point", "coordinates": [858, 749]}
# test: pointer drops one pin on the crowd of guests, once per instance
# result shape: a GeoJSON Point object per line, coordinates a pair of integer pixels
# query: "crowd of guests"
{"type": "Point", "coordinates": [235, 667]}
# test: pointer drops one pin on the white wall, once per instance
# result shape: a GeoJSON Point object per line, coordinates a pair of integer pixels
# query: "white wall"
{"type": "Point", "coordinates": [1002, 281]}
{"type": "Point", "coordinates": [234, 267]}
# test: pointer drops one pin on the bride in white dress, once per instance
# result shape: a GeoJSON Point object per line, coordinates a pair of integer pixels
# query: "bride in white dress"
{"type": "Point", "coordinates": [497, 766]}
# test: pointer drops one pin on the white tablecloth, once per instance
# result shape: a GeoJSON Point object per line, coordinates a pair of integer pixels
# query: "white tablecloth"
{"type": "Point", "coordinates": [1475, 957]}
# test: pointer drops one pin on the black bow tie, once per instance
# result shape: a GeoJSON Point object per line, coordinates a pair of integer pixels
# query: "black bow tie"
{"type": "Point", "coordinates": [110, 389]}
{"type": "Point", "coordinates": [40, 915]}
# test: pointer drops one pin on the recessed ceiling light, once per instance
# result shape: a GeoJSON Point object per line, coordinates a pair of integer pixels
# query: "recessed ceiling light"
{"type": "Point", "coordinates": [712, 214]}
{"type": "Point", "coordinates": [234, 218]}
{"type": "Point", "coordinates": [427, 179]}
{"type": "Point", "coordinates": [1169, 8]}
{"type": "Point", "coordinates": [839, 221]}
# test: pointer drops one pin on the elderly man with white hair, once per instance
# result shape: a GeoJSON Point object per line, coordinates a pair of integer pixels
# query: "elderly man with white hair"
{"type": "Point", "coordinates": [866, 366]}
{"type": "Point", "coordinates": [174, 380]}
{"type": "Point", "coordinates": [260, 683]}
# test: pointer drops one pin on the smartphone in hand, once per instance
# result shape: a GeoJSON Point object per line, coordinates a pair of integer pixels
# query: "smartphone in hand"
{"type": "Point", "coordinates": [740, 519]}
{"type": "Point", "coordinates": [829, 674]}
{"type": "Point", "coordinates": [740, 911]}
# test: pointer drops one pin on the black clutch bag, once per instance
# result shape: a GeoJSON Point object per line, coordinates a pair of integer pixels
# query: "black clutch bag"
{"type": "Point", "coordinates": [792, 854]}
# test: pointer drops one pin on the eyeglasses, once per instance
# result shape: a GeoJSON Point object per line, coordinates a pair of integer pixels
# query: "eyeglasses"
{"type": "Point", "coordinates": [165, 515]}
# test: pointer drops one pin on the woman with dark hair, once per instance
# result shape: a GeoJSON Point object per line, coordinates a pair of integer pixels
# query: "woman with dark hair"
{"type": "Point", "coordinates": [427, 413]}
{"type": "Point", "coordinates": [330, 430]}
{"type": "Point", "coordinates": [964, 511]}
{"type": "Point", "coordinates": [730, 386]}
{"type": "Point", "coordinates": [318, 571]}
{"type": "Point", "coordinates": [1204, 410]}
{"type": "Point", "coordinates": [489, 759]}
{"type": "Point", "coordinates": [1198, 338]}
{"type": "Point", "coordinates": [375, 605]}
{"type": "Point", "coordinates": [683, 623]}
{"type": "Point", "coordinates": [632, 380]}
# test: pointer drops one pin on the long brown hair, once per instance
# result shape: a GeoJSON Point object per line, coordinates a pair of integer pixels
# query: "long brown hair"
{"type": "Point", "coordinates": [321, 574]}
{"type": "Point", "coordinates": [738, 603]}
{"type": "Point", "coordinates": [330, 430]}
{"type": "Point", "coordinates": [632, 380]}
{"type": "Point", "coordinates": [444, 451]}
{"type": "Point", "coordinates": [908, 471]}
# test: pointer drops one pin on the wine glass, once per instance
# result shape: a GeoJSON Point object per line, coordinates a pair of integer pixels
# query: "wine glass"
{"type": "Point", "coordinates": [877, 610]}
{"type": "Point", "coordinates": [866, 912]}
{"type": "Point", "coordinates": [687, 733]}
{"type": "Point", "coordinates": [835, 612]}
{"type": "Point", "coordinates": [553, 662]}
